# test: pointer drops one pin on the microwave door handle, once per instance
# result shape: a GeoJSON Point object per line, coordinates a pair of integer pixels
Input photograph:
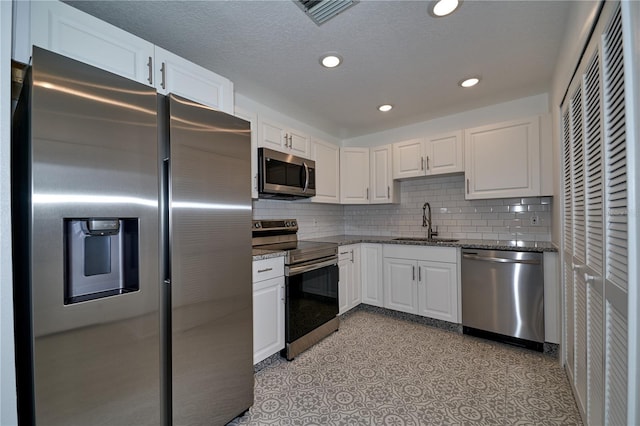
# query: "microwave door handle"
{"type": "Point", "coordinates": [306, 177]}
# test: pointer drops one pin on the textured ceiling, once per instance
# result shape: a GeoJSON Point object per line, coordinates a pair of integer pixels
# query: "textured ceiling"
{"type": "Point", "coordinates": [394, 52]}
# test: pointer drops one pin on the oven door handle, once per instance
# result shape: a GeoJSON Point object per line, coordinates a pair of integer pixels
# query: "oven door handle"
{"type": "Point", "coordinates": [297, 270]}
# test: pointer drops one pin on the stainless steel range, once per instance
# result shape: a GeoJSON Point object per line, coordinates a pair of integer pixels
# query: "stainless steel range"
{"type": "Point", "coordinates": [311, 281]}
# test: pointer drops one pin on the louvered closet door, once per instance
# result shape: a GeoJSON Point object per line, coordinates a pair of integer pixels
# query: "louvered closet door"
{"type": "Point", "coordinates": [579, 287]}
{"type": "Point", "coordinates": [567, 244]}
{"type": "Point", "coordinates": [595, 227]}
{"type": "Point", "coordinates": [616, 264]}
{"type": "Point", "coordinates": [591, 83]}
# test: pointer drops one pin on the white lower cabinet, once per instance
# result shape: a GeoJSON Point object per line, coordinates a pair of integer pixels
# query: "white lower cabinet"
{"type": "Point", "coordinates": [371, 274]}
{"type": "Point", "coordinates": [401, 291]}
{"type": "Point", "coordinates": [437, 290]}
{"type": "Point", "coordinates": [349, 284]}
{"type": "Point", "coordinates": [268, 307]}
{"type": "Point", "coordinates": [422, 281]}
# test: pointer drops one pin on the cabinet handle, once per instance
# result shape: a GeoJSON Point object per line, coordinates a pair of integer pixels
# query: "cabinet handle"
{"type": "Point", "coordinates": [419, 274]}
{"type": "Point", "coordinates": [427, 162]}
{"type": "Point", "coordinates": [291, 141]}
{"type": "Point", "coordinates": [588, 279]}
{"type": "Point", "coordinates": [344, 252]}
{"type": "Point", "coordinates": [388, 192]}
{"type": "Point", "coordinates": [351, 256]}
{"type": "Point", "coordinates": [421, 163]}
{"type": "Point", "coordinates": [265, 270]}
{"type": "Point", "coordinates": [367, 193]}
{"type": "Point", "coordinates": [413, 272]}
{"type": "Point", "coordinates": [150, 66]}
{"type": "Point", "coordinates": [163, 71]}
{"type": "Point", "coordinates": [467, 186]}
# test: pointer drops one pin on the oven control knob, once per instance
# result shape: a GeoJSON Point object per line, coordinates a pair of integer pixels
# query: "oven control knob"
{"type": "Point", "coordinates": [256, 225]}
{"type": "Point", "coordinates": [287, 224]}
{"type": "Point", "coordinates": [293, 223]}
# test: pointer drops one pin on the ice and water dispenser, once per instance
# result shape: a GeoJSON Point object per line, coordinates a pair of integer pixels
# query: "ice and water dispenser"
{"type": "Point", "coordinates": [101, 258]}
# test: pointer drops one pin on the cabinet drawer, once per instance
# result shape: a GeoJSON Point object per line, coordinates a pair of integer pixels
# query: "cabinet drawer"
{"type": "Point", "coordinates": [268, 268]}
{"type": "Point", "coordinates": [428, 253]}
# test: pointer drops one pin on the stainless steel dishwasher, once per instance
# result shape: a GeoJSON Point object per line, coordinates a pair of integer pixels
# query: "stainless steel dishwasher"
{"type": "Point", "coordinates": [503, 296]}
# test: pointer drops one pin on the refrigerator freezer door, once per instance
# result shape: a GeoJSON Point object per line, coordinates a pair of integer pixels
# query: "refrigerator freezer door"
{"type": "Point", "coordinates": [210, 238]}
{"type": "Point", "coordinates": [93, 155]}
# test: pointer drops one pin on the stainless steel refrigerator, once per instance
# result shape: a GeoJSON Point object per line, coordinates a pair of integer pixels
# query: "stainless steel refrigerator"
{"type": "Point", "coordinates": [131, 217]}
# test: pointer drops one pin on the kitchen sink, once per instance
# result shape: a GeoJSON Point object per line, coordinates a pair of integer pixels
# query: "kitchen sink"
{"type": "Point", "coordinates": [427, 240]}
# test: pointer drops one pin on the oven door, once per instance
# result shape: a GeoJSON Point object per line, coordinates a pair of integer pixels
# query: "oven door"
{"type": "Point", "coordinates": [311, 297]}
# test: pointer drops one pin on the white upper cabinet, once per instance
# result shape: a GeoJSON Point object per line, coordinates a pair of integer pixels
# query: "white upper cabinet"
{"type": "Point", "coordinates": [327, 158]}
{"type": "Point", "coordinates": [354, 175]}
{"type": "Point", "coordinates": [277, 136]}
{"type": "Point", "coordinates": [176, 75]}
{"type": "Point", "coordinates": [366, 176]}
{"type": "Point", "coordinates": [408, 160]}
{"type": "Point", "coordinates": [383, 189]}
{"type": "Point", "coordinates": [503, 160]}
{"type": "Point", "coordinates": [444, 153]}
{"type": "Point", "coordinates": [63, 29]}
{"type": "Point", "coordinates": [428, 156]}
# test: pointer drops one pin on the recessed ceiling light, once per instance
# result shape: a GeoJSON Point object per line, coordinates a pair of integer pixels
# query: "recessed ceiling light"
{"type": "Point", "coordinates": [330, 60]}
{"type": "Point", "coordinates": [385, 107]}
{"type": "Point", "coordinates": [442, 8]}
{"type": "Point", "coordinates": [469, 82]}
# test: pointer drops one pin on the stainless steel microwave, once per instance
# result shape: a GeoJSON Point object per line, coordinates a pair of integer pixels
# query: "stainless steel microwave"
{"type": "Point", "coordinates": [284, 176]}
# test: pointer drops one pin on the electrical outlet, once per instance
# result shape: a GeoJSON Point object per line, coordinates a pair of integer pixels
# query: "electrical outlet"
{"type": "Point", "coordinates": [535, 220]}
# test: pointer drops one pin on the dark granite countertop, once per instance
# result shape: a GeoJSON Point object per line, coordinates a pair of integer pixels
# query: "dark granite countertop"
{"type": "Point", "coordinates": [538, 246]}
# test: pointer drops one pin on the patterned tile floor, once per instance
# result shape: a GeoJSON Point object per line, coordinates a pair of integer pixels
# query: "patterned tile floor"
{"type": "Point", "coordinates": [379, 370]}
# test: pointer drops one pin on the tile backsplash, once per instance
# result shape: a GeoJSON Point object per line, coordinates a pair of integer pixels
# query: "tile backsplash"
{"type": "Point", "coordinates": [526, 219]}
{"type": "Point", "coordinates": [314, 219]}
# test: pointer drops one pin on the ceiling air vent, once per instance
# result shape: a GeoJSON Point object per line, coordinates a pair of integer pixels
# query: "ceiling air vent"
{"type": "Point", "coordinates": [320, 11]}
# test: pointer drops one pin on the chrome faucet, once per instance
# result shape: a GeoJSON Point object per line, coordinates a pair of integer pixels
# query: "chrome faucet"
{"type": "Point", "coordinates": [426, 221]}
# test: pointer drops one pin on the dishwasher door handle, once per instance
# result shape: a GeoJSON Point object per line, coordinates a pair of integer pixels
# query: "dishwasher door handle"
{"type": "Point", "coordinates": [499, 259]}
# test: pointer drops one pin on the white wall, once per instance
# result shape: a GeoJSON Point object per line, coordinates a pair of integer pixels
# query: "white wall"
{"type": "Point", "coordinates": [8, 414]}
{"type": "Point", "coordinates": [523, 107]}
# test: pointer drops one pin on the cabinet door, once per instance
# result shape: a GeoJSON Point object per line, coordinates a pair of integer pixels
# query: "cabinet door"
{"type": "Point", "coordinates": [400, 285]}
{"type": "Point", "coordinates": [382, 186]}
{"type": "Point", "coordinates": [252, 118]}
{"type": "Point", "coordinates": [181, 77]}
{"type": "Point", "coordinates": [371, 274]}
{"type": "Point", "coordinates": [408, 159]}
{"type": "Point", "coordinates": [327, 158]}
{"type": "Point", "coordinates": [354, 175]}
{"type": "Point", "coordinates": [63, 29]}
{"type": "Point", "coordinates": [503, 160]}
{"type": "Point", "coordinates": [444, 153]}
{"type": "Point", "coordinates": [355, 292]}
{"type": "Point", "coordinates": [344, 285]}
{"type": "Point", "coordinates": [268, 318]}
{"type": "Point", "coordinates": [298, 143]}
{"type": "Point", "coordinates": [438, 291]}
{"type": "Point", "coordinates": [271, 135]}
